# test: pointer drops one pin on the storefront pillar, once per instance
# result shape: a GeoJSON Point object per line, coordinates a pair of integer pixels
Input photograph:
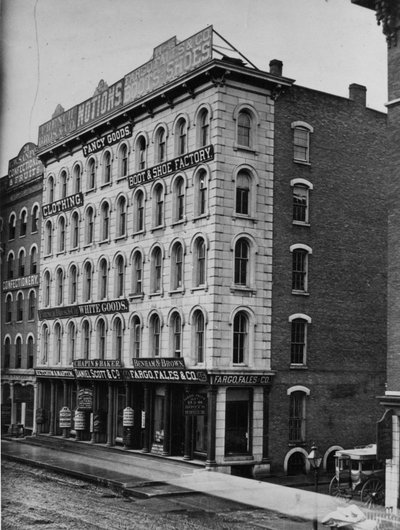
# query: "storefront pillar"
{"type": "Point", "coordinates": [35, 427]}
{"type": "Point", "coordinates": [188, 449]}
{"type": "Point", "coordinates": [13, 407]}
{"type": "Point", "coordinates": [110, 416]}
{"type": "Point", "coordinates": [52, 411]}
{"type": "Point", "coordinates": [212, 425]}
{"type": "Point", "coordinates": [167, 422]}
{"type": "Point", "coordinates": [94, 408]}
{"type": "Point", "coordinates": [78, 433]}
{"type": "Point", "coordinates": [128, 395]}
{"type": "Point", "coordinates": [265, 453]}
{"type": "Point", "coordinates": [146, 422]}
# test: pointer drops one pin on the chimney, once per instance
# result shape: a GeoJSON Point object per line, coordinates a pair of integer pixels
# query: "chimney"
{"type": "Point", "coordinates": [275, 67]}
{"type": "Point", "coordinates": [358, 93]}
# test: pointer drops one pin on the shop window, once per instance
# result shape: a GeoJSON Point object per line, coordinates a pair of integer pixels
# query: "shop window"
{"type": "Point", "coordinates": [9, 302]}
{"type": "Point", "coordinates": [199, 333]}
{"type": "Point", "coordinates": [156, 270]}
{"type": "Point", "coordinates": [137, 273]}
{"type": "Point", "coordinates": [177, 267]}
{"type": "Point", "coordinates": [103, 279]}
{"type": "Point", "coordinates": [123, 161]}
{"type": "Point", "coordinates": [59, 287]}
{"type": "Point", "coordinates": [33, 264]}
{"type": "Point", "coordinates": [35, 219]}
{"type": "Point", "coordinates": [73, 284]}
{"type": "Point", "coordinates": [20, 307]}
{"type": "Point", "coordinates": [18, 352]}
{"type": "Point", "coordinates": [176, 335]}
{"type": "Point", "coordinates": [63, 185]}
{"type": "Point", "coordinates": [301, 141]}
{"type": "Point", "coordinates": [238, 421]}
{"type": "Point", "coordinates": [136, 336]}
{"type": "Point", "coordinates": [101, 338]}
{"type": "Point", "coordinates": [200, 191]}
{"type": "Point", "coordinates": [297, 417]}
{"type": "Point", "coordinates": [11, 226]}
{"type": "Point", "coordinates": [23, 223]}
{"type": "Point", "coordinates": [29, 352]}
{"type": "Point", "coordinates": [32, 305]}
{"type": "Point", "coordinates": [46, 289]}
{"type": "Point", "coordinates": [58, 343]}
{"type": "Point", "coordinates": [21, 263]}
{"type": "Point", "coordinates": [87, 282]}
{"type": "Point", "coordinates": [75, 230]}
{"type": "Point", "coordinates": [107, 168]}
{"type": "Point", "coordinates": [7, 352]}
{"type": "Point", "coordinates": [155, 335]}
{"type": "Point", "coordinates": [71, 342]}
{"type": "Point", "coordinates": [240, 337]}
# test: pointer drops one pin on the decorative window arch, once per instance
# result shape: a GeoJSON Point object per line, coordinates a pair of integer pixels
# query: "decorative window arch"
{"type": "Point", "coordinates": [136, 335]}
{"type": "Point", "coordinates": [301, 200]}
{"type": "Point", "coordinates": [247, 121]}
{"type": "Point", "coordinates": [23, 221]}
{"type": "Point", "coordinates": [202, 122]}
{"type": "Point", "coordinates": [123, 153]}
{"type": "Point", "coordinates": [301, 141]}
{"type": "Point", "coordinates": [296, 461]}
{"type": "Point", "coordinates": [106, 163]}
{"type": "Point", "coordinates": [178, 198]}
{"type": "Point", "coordinates": [91, 174]}
{"type": "Point", "coordinates": [200, 182]}
{"type": "Point", "coordinates": [298, 345]}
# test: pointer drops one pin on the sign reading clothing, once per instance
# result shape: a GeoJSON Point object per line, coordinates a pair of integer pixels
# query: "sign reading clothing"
{"type": "Point", "coordinates": [204, 154]}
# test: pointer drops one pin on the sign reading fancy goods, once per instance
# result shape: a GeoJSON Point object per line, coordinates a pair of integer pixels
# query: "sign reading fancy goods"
{"type": "Point", "coordinates": [205, 154]}
{"type": "Point", "coordinates": [108, 139]}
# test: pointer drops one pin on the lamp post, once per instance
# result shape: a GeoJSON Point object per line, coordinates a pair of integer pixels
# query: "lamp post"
{"type": "Point", "coordinates": [315, 460]}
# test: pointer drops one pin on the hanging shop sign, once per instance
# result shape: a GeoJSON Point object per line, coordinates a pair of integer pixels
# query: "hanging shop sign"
{"type": "Point", "coordinates": [49, 372]}
{"type": "Point", "coordinates": [62, 205]}
{"type": "Point", "coordinates": [170, 61]}
{"type": "Point", "coordinates": [186, 161]}
{"type": "Point", "coordinates": [240, 379]}
{"type": "Point", "coordinates": [195, 404]}
{"type": "Point", "coordinates": [128, 417]}
{"type": "Point", "coordinates": [25, 166]}
{"type": "Point", "coordinates": [173, 376]}
{"type": "Point", "coordinates": [97, 363]}
{"type": "Point", "coordinates": [65, 418]}
{"type": "Point", "coordinates": [21, 283]}
{"type": "Point", "coordinates": [160, 362]}
{"type": "Point", "coordinates": [58, 127]}
{"type": "Point", "coordinates": [105, 374]}
{"type": "Point", "coordinates": [79, 420]}
{"type": "Point", "coordinates": [85, 399]}
{"type": "Point", "coordinates": [97, 308]}
{"type": "Point", "coordinates": [107, 140]}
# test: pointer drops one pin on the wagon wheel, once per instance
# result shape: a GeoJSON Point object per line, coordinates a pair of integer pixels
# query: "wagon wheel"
{"type": "Point", "coordinates": [335, 490]}
{"type": "Point", "coordinates": [373, 492]}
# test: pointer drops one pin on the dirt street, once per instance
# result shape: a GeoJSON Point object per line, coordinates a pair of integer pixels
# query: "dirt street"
{"type": "Point", "coordinates": [33, 497]}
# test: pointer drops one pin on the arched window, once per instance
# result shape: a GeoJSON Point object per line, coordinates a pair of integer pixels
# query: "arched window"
{"type": "Point", "coordinates": [87, 281]}
{"type": "Point", "coordinates": [32, 305]}
{"type": "Point", "coordinates": [118, 338]}
{"type": "Point", "coordinates": [71, 342]}
{"type": "Point", "coordinates": [33, 264]}
{"type": "Point", "coordinates": [107, 168]}
{"type": "Point", "coordinates": [176, 335]}
{"type": "Point", "coordinates": [155, 335]}
{"type": "Point", "coordinates": [243, 187]}
{"type": "Point", "coordinates": [161, 145]}
{"type": "Point", "coordinates": [86, 339]}
{"type": "Point", "coordinates": [59, 286]}
{"type": "Point", "coordinates": [9, 307]}
{"type": "Point", "coordinates": [242, 256]}
{"type": "Point", "coordinates": [177, 267]}
{"type": "Point", "coordinates": [77, 178]}
{"type": "Point", "coordinates": [57, 343]}
{"type": "Point", "coordinates": [73, 284]}
{"type": "Point", "coordinates": [105, 221]}
{"type": "Point", "coordinates": [91, 174]}
{"type": "Point", "coordinates": [141, 153]}
{"type": "Point", "coordinates": [298, 344]}
{"type": "Point", "coordinates": [50, 190]}
{"type": "Point", "coordinates": [244, 129]}
{"type": "Point", "coordinates": [121, 217]}
{"type": "Point", "coordinates": [199, 333]}
{"type": "Point", "coordinates": [46, 289]}
{"type": "Point", "coordinates": [199, 262]}
{"type": "Point", "coordinates": [136, 336]}
{"type": "Point", "coordinates": [75, 230]}
{"type": "Point", "coordinates": [156, 270]}
{"type": "Point", "coordinates": [123, 161]}
{"type": "Point", "coordinates": [89, 225]}
{"type": "Point", "coordinates": [137, 273]}
{"type": "Point", "coordinates": [200, 191]}
{"type": "Point", "coordinates": [23, 223]}
{"type": "Point", "coordinates": [158, 205]}
{"type": "Point", "coordinates": [7, 352]}
{"type": "Point", "coordinates": [101, 338]}
{"type": "Point", "coordinates": [204, 128]}
{"type": "Point", "coordinates": [18, 352]}
{"type": "Point", "coordinates": [139, 211]}
{"type": "Point", "coordinates": [20, 307]}
{"type": "Point", "coordinates": [10, 266]}
{"type": "Point", "coordinates": [48, 237]}
{"type": "Point", "coordinates": [45, 343]}
{"type": "Point", "coordinates": [35, 219]}
{"type": "Point", "coordinates": [240, 337]}
{"type": "Point", "coordinates": [297, 417]}
{"type": "Point", "coordinates": [30, 353]}
{"type": "Point", "coordinates": [181, 137]}
{"type": "Point", "coordinates": [179, 199]}
{"type": "Point", "coordinates": [103, 279]}
{"type": "Point", "coordinates": [21, 262]}
{"type": "Point", "coordinates": [119, 276]}
{"type": "Point", "coordinates": [11, 226]}
{"type": "Point", "coordinates": [301, 141]}
{"type": "Point", "coordinates": [63, 185]}
{"type": "Point", "coordinates": [61, 234]}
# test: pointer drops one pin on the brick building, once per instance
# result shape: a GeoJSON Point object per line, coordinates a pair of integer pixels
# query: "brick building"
{"type": "Point", "coordinates": [177, 290]}
{"type": "Point", "coordinates": [20, 196]}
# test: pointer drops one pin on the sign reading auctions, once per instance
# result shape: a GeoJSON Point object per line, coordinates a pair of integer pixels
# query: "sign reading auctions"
{"type": "Point", "coordinates": [205, 154]}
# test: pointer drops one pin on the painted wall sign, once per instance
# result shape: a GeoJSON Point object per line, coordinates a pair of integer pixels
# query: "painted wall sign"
{"type": "Point", "coordinates": [174, 376]}
{"type": "Point", "coordinates": [161, 362]}
{"type": "Point", "coordinates": [107, 374]}
{"type": "Point", "coordinates": [25, 166]}
{"type": "Point", "coordinates": [111, 306]}
{"type": "Point", "coordinates": [62, 205]}
{"type": "Point", "coordinates": [58, 127]}
{"type": "Point", "coordinates": [49, 372]}
{"type": "Point", "coordinates": [108, 139]}
{"type": "Point", "coordinates": [240, 379]}
{"type": "Point", "coordinates": [100, 104]}
{"type": "Point", "coordinates": [21, 283]}
{"type": "Point", "coordinates": [204, 154]}
{"type": "Point", "coordinates": [195, 404]}
{"type": "Point", "coordinates": [170, 61]}
{"type": "Point", "coordinates": [96, 363]}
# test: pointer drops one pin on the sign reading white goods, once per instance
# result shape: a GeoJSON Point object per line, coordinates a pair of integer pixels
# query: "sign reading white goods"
{"type": "Point", "coordinates": [112, 306]}
{"type": "Point", "coordinates": [204, 154]}
{"type": "Point", "coordinates": [62, 205]}
{"type": "Point", "coordinates": [170, 60]}
{"type": "Point", "coordinates": [108, 139]}
{"type": "Point", "coordinates": [25, 166]}
{"type": "Point", "coordinates": [20, 283]}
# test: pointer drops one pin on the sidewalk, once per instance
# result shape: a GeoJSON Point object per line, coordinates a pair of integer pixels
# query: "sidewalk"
{"type": "Point", "coordinates": [143, 475]}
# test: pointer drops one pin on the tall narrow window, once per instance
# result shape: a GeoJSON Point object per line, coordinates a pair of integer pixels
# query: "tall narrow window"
{"type": "Point", "coordinates": [33, 264]}
{"type": "Point", "coordinates": [161, 145]}
{"type": "Point", "coordinates": [121, 217]}
{"type": "Point", "coordinates": [48, 237]}
{"type": "Point", "coordinates": [35, 219]}
{"type": "Point", "coordinates": [20, 307]}
{"type": "Point", "coordinates": [240, 337]}
{"type": "Point", "coordinates": [46, 289]}
{"type": "Point", "coordinates": [50, 190]}
{"type": "Point", "coordinates": [137, 272]}
{"type": "Point", "coordinates": [75, 230]}
{"type": "Point", "coordinates": [21, 263]}
{"type": "Point", "coordinates": [299, 270]}
{"type": "Point", "coordinates": [59, 287]}
{"type": "Point", "coordinates": [141, 148]}
{"type": "Point", "coordinates": [156, 270]}
{"type": "Point", "coordinates": [61, 234]}
{"type": "Point", "coordinates": [298, 341]}
{"type": "Point", "coordinates": [77, 179]}
{"type": "Point", "coordinates": [176, 335]}
{"type": "Point", "coordinates": [7, 352]}
{"type": "Point", "coordinates": [155, 335]}
{"type": "Point", "coordinates": [91, 174]}
{"type": "Point", "coordinates": [63, 185]}
{"type": "Point", "coordinates": [244, 129]}
{"type": "Point", "coordinates": [158, 205]}
{"type": "Point", "coordinates": [200, 262]}
{"type": "Point", "coordinates": [89, 225]}
{"type": "Point", "coordinates": [136, 336]}
{"type": "Point", "coordinates": [297, 417]}
{"type": "Point", "coordinates": [10, 266]}
{"type": "Point", "coordinates": [177, 266]}
{"type": "Point", "coordinates": [199, 336]}
{"type": "Point", "coordinates": [204, 128]}
{"type": "Point", "coordinates": [57, 343]}
{"type": "Point", "coordinates": [101, 338]}
{"type": "Point", "coordinates": [123, 161]}
{"type": "Point", "coordinates": [85, 339]}
{"type": "Point", "coordinates": [179, 199]}
{"type": "Point", "coordinates": [118, 338]}
{"type": "Point", "coordinates": [300, 204]}
{"type": "Point", "coordinates": [18, 353]}
{"type": "Point", "coordinates": [103, 279]}
{"type": "Point", "coordinates": [242, 252]}
{"type": "Point", "coordinates": [32, 305]}
{"type": "Point", "coordinates": [9, 308]}
{"type": "Point", "coordinates": [181, 137]}
{"type": "Point", "coordinates": [45, 343]}
{"type": "Point", "coordinates": [105, 221]}
{"type": "Point", "coordinates": [71, 342]}
{"type": "Point", "coordinates": [23, 223]}
{"type": "Point", "coordinates": [107, 168]}
{"type": "Point", "coordinates": [87, 282]}
{"type": "Point", "coordinates": [200, 193]}
{"type": "Point", "coordinates": [242, 193]}
{"type": "Point", "coordinates": [301, 141]}
{"type": "Point", "coordinates": [139, 211]}
{"type": "Point", "coordinates": [119, 276]}
{"type": "Point", "coordinates": [73, 284]}
{"type": "Point", "coordinates": [29, 353]}
{"type": "Point", "coordinates": [11, 226]}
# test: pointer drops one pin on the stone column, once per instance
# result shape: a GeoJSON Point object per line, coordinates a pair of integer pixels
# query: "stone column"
{"type": "Point", "coordinates": [167, 422]}
{"type": "Point", "coordinates": [35, 407]}
{"type": "Point", "coordinates": [52, 408]}
{"type": "Point", "coordinates": [146, 437]}
{"type": "Point", "coordinates": [110, 416]}
{"type": "Point", "coordinates": [212, 425]}
{"type": "Point", "coordinates": [13, 409]}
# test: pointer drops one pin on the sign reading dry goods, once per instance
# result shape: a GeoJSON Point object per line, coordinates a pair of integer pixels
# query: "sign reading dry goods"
{"type": "Point", "coordinates": [20, 283]}
{"type": "Point", "coordinates": [25, 166]}
{"type": "Point", "coordinates": [205, 154]}
{"type": "Point", "coordinates": [240, 379]}
{"type": "Point", "coordinates": [160, 362]}
{"type": "Point", "coordinates": [108, 139]}
{"type": "Point", "coordinates": [170, 61]}
{"type": "Point", "coordinates": [62, 205]}
{"type": "Point", "coordinates": [97, 308]}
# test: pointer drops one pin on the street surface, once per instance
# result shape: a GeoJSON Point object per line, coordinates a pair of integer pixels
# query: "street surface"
{"type": "Point", "coordinates": [34, 497]}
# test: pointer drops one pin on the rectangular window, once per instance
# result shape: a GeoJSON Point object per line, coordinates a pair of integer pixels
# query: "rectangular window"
{"type": "Point", "coordinates": [299, 270]}
{"type": "Point", "coordinates": [297, 417]}
{"type": "Point", "coordinates": [298, 342]}
{"type": "Point", "coordinates": [301, 144]}
{"type": "Point", "coordinates": [300, 204]}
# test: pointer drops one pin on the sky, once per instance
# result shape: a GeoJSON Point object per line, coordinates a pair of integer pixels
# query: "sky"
{"type": "Point", "coordinates": [56, 51]}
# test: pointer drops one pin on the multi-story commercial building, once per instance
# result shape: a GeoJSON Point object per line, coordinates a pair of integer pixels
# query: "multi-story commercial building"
{"type": "Point", "coordinates": [183, 309]}
{"type": "Point", "coordinates": [388, 15]}
{"type": "Point", "coordinates": [20, 199]}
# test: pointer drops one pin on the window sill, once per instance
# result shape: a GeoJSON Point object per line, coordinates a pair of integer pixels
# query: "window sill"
{"type": "Point", "coordinates": [132, 296]}
{"type": "Point", "coordinates": [88, 245]}
{"type": "Point", "coordinates": [22, 235]}
{"type": "Point", "coordinates": [75, 249]}
{"type": "Point", "coordinates": [300, 223]}
{"type": "Point", "coordinates": [120, 238]}
{"type": "Point", "coordinates": [181, 290]}
{"type": "Point", "coordinates": [158, 293]}
{"type": "Point", "coordinates": [104, 242]}
{"type": "Point", "coordinates": [201, 216]}
{"type": "Point", "coordinates": [138, 233]}
{"type": "Point", "coordinates": [298, 367]}
{"type": "Point", "coordinates": [241, 216]}
{"type": "Point", "coordinates": [237, 147]}
{"type": "Point", "coordinates": [238, 457]}
{"type": "Point", "coordinates": [243, 290]}
{"type": "Point", "coordinates": [199, 288]}
{"type": "Point", "coordinates": [105, 185]}
{"type": "Point", "coordinates": [92, 190]}
{"type": "Point", "coordinates": [159, 227]}
{"type": "Point", "coordinates": [300, 443]}
{"type": "Point", "coordinates": [179, 221]}
{"type": "Point", "coordinates": [121, 178]}
{"type": "Point", "coordinates": [300, 293]}
{"type": "Point", "coordinates": [301, 162]}
{"type": "Point", "coordinates": [61, 253]}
